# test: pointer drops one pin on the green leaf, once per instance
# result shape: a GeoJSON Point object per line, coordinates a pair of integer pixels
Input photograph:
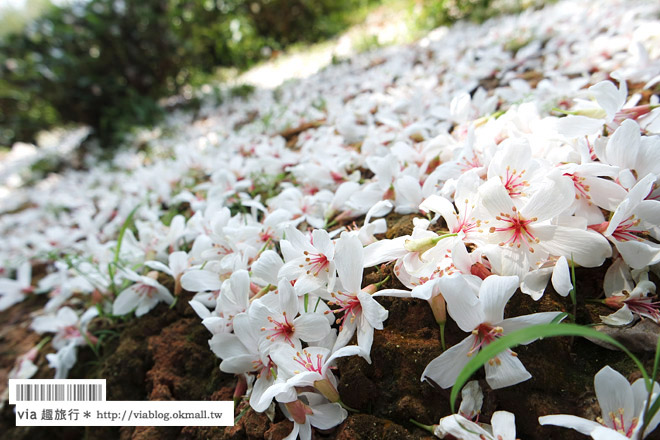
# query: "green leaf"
{"type": "Point", "coordinates": [527, 334]}
{"type": "Point", "coordinates": [651, 410]}
{"type": "Point", "coordinates": [112, 267]}
{"type": "Point", "coordinates": [649, 413]}
{"type": "Point", "coordinates": [122, 231]}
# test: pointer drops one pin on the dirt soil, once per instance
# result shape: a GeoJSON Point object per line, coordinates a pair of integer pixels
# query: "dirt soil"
{"type": "Point", "coordinates": [164, 355]}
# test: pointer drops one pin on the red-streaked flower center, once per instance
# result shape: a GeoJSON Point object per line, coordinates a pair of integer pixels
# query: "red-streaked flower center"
{"type": "Point", "coordinates": [316, 263]}
{"type": "Point", "coordinates": [348, 303]}
{"type": "Point", "coordinates": [628, 230]}
{"type": "Point", "coordinates": [518, 227]}
{"type": "Point", "coordinates": [617, 423]}
{"type": "Point", "coordinates": [465, 223]}
{"type": "Point", "coordinates": [282, 330]}
{"type": "Point", "coordinates": [306, 361]}
{"type": "Point", "coordinates": [470, 163]}
{"type": "Point", "coordinates": [146, 290]}
{"type": "Point", "coordinates": [581, 190]}
{"type": "Point", "coordinates": [71, 332]}
{"type": "Point", "coordinates": [514, 182]}
{"type": "Point", "coordinates": [484, 334]}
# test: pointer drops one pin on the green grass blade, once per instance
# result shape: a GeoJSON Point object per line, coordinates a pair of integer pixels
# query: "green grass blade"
{"type": "Point", "coordinates": [530, 333]}
{"type": "Point", "coordinates": [561, 316]}
{"type": "Point", "coordinates": [648, 414]}
{"type": "Point", "coordinates": [122, 231]}
{"type": "Point", "coordinates": [113, 267]}
{"type": "Point", "coordinates": [651, 410]}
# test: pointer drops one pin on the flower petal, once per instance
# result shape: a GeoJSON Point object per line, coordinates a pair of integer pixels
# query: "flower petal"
{"type": "Point", "coordinates": [586, 248]}
{"type": "Point", "coordinates": [512, 324]}
{"type": "Point", "coordinates": [267, 266]}
{"type": "Point", "coordinates": [374, 313]}
{"type": "Point", "coordinates": [573, 126]}
{"type": "Point", "coordinates": [639, 254]}
{"type": "Point", "coordinates": [311, 327]}
{"type": "Point", "coordinates": [322, 242]}
{"type": "Point", "coordinates": [349, 258]}
{"type": "Point", "coordinates": [561, 277]}
{"type": "Point", "coordinates": [365, 336]}
{"type": "Point", "coordinates": [618, 278]}
{"type": "Point", "coordinates": [495, 197]}
{"type": "Point", "coordinates": [504, 425]}
{"type": "Point", "coordinates": [157, 265]}
{"type": "Point", "coordinates": [623, 146]}
{"type": "Point", "coordinates": [462, 302]}
{"type": "Point", "coordinates": [604, 433]}
{"type": "Point", "coordinates": [581, 425]}
{"type": "Point", "coordinates": [327, 415]}
{"type": "Point", "coordinates": [494, 293]}
{"type": "Point", "coordinates": [535, 282]}
{"type": "Point", "coordinates": [384, 251]}
{"type": "Point", "coordinates": [346, 333]}
{"type": "Point", "coordinates": [350, 350]}
{"type": "Point", "coordinates": [126, 301]}
{"type": "Point", "coordinates": [507, 370]}
{"type": "Point", "coordinates": [444, 369]}
{"type": "Point", "coordinates": [614, 393]}
{"type": "Point", "coordinates": [200, 280]}
{"type": "Point", "coordinates": [621, 317]}
{"type": "Point", "coordinates": [641, 394]}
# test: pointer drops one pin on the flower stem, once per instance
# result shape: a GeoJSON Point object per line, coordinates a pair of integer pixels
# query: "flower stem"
{"type": "Point", "coordinates": [428, 428]}
{"type": "Point", "coordinates": [43, 342]}
{"type": "Point", "coordinates": [380, 283]}
{"type": "Point", "coordinates": [442, 335]}
{"type": "Point", "coordinates": [346, 407]}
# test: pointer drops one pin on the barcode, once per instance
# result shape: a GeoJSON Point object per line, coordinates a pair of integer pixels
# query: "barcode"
{"type": "Point", "coordinates": [62, 390]}
{"type": "Point", "coordinates": [59, 392]}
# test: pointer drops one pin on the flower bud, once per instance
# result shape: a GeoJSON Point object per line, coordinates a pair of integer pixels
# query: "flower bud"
{"type": "Point", "coordinates": [596, 113]}
{"type": "Point", "coordinates": [421, 244]}
{"type": "Point", "coordinates": [439, 308]}
{"type": "Point", "coordinates": [478, 269]}
{"type": "Point", "coordinates": [299, 411]}
{"type": "Point", "coordinates": [370, 289]}
{"type": "Point", "coordinates": [326, 388]}
{"type": "Point", "coordinates": [616, 301]}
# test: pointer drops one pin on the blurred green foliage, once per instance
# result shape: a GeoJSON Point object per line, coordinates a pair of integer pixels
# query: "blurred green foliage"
{"type": "Point", "coordinates": [434, 13]}
{"type": "Point", "coordinates": [105, 63]}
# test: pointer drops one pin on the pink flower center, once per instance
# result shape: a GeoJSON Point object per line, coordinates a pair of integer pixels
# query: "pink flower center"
{"type": "Point", "coordinates": [71, 332]}
{"type": "Point", "coordinates": [644, 305]}
{"type": "Point", "coordinates": [146, 290]}
{"type": "Point", "coordinates": [282, 330]}
{"type": "Point", "coordinates": [263, 369]}
{"type": "Point", "coordinates": [484, 334]}
{"type": "Point", "coordinates": [581, 190]}
{"type": "Point", "coordinates": [348, 303]}
{"type": "Point", "coordinates": [519, 228]}
{"type": "Point", "coordinates": [617, 423]}
{"type": "Point", "coordinates": [627, 230]}
{"type": "Point", "coordinates": [514, 182]}
{"type": "Point", "coordinates": [471, 163]}
{"type": "Point", "coordinates": [316, 263]}
{"type": "Point", "coordinates": [266, 235]}
{"type": "Point", "coordinates": [464, 222]}
{"type": "Point", "coordinates": [307, 363]}
{"type": "Point", "coordinates": [223, 250]}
